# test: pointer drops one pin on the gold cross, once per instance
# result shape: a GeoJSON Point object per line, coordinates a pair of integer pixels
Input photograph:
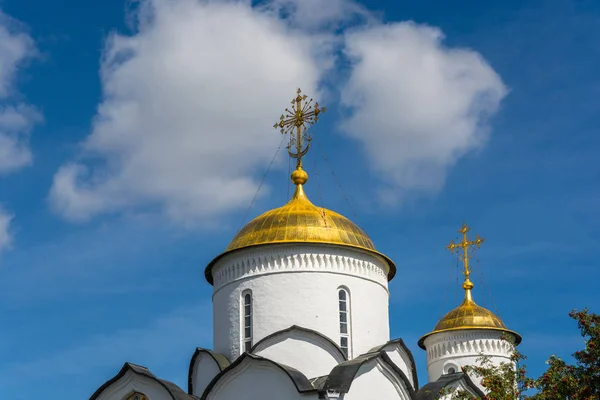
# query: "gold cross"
{"type": "Point", "coordinates": [464, 245]}
{"type": "Point", "coordinates": [302, 115]}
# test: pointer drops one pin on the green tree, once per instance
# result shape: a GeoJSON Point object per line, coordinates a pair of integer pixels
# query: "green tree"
{"type": "Point", "coordinates": [582, 380]}
{"type": "Point", "coordinates": [561, 381]}
{"type": "Point", "coordinates": [507, 381]}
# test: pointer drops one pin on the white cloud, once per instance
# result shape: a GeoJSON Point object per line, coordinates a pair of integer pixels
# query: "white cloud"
{"type": "Point", "coordinates": [16, 118]}
{"type": "Point", "coordinates": [189, 102]}
{"type": "Point", "coordinates": [416, 105]}
{"type": "Point", "coordinates": [5, 236]}
{"type": "Point", "coordinates": [189, 98]}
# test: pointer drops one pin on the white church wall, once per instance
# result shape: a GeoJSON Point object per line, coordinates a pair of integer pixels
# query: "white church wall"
{"type": "Point", "coordinates": [306, 351]}
{"type": "Point", "coordinates": [455, 349]}
{"type": "Point", "coordinates": [298, 285]}
{"type": "Point", "coordinates": [402, 360]}
{"type": "Point", "coordinates": [376, 381]}
{"type": "Point", "coordinates": [131, 382]}
{"type": "Point", "coordinates": [256, 380]}
{"type": "Point", "coordinates": [204, 370]}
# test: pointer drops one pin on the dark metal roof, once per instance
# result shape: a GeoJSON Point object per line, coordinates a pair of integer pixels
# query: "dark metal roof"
{"type": "Point", "coordinates": [174, 391]}
{"type": "Point", "coordinates": [401, 343]}
{"type": "Point", "coordinates": [220, 359]}
{"type": "Point", "coordinates": [300, 381]}
{"type": "Point", "coordinates": [341, 377]}
{"type": "Point", "coordinates": [300, 329]}
{"type": "Point", "coordinates": [319, 382]}
{"type": "Point", "coordinates": [432, 390]}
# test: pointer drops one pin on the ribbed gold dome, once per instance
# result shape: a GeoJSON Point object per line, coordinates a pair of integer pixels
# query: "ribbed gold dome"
{"type": "Point", "coordinates": [469, 315]}
{"type": "Point", "coordinates": [300, 221]}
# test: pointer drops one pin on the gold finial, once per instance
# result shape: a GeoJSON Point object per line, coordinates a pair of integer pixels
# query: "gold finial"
{"type": "Point", "coordinates": [296, 122]}
{"type": "Point", "coordinates": [464, 245]}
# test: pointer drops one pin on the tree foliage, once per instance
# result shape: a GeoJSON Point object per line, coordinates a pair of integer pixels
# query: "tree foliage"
{"type": "Point", "coordinates": [507, 381]}
{"type": "Point", "coordinates": [561, 381]}
{"type": "Point", "coordinates": [582, 380]}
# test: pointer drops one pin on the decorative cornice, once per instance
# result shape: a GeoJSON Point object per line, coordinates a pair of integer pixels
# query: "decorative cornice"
{"type": "Point", "coordinates": [281, 259]}
{"type": "Point", "coordinates": [390, 265]}
{"type": "Point", "coordinates": [514, 334]}
{"type": "Point", "coordinates": [467, 344]}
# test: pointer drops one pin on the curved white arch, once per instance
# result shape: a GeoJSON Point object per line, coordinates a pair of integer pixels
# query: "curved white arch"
{"type": "Point", "coordinates": [306, 350]}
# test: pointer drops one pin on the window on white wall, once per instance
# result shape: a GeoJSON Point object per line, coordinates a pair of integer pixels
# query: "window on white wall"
{"type": "Point", "coordinates": [247, 320]}
{"type": "Point", "coordinates": [344, 308]}
{"type": "Point", "coordinates": [450, 368]}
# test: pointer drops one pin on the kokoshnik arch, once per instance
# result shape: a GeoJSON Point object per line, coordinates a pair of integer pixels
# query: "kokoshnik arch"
{"type": "Point", "coordinates": [300, 309]}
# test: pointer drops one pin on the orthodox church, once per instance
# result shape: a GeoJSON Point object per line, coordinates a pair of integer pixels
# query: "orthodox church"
{"type": "Point", "coordinates": [300, 307]}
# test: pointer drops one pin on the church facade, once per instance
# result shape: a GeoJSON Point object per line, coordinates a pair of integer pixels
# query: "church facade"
{"type": "Point", "coordinates": [300, 311]}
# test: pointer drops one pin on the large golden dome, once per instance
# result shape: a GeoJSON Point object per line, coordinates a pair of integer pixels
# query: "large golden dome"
{"type": "Point", "coordinates": [300, 221]}
{"type": "Point", "coordinates": [469, 315]}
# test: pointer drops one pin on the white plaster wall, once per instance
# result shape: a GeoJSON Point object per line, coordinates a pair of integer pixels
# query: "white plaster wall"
{"type": "Point", "coordinates": [309, 354]}
{"type": "Point", "coordinates": [462, 348]}
{"type": "Point", "coordinates": [399, 357]}
{"type": "Point", "coordinates": [298, 285]}
{"type": "Point", "coordinates": [131, 382]}
{"type": "Point", "coordinates": [205, 369]}
{"type": "Point", "coordinates": [256, 380]}
{"type": "Point", "coordinates": [376, 381]}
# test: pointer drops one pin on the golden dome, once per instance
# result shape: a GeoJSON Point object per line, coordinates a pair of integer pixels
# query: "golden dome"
{"type": "Point", "coordinates": [469, 315]}
{"type": "Point", "coordinates": [300, 221]}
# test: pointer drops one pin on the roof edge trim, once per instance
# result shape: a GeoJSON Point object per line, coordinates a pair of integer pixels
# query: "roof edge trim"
{"type": "Point", "coordinates": [391, 265]}
{"type": "Point", "coordinates": [518, 337]}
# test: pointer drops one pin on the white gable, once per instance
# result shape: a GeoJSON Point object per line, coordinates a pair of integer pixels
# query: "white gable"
{"type": "Point", "coordinates": [203, 370]}
{"type": "Point", "coordinates": [305, 350]}
{"type": "Point", "coordinates": [376, 380]}
{"type": "Point", "coordinates": [400, 357]}
{"type": "Point", "coordinates": [131, 382]}
{"type": "Point", "coordinates": [254, 379]}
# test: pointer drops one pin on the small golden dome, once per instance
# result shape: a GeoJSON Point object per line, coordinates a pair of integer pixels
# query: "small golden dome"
{"type": "Point", "coordinates": [300, 221]}
{"type": "Point", "coordinates": [469, 315]}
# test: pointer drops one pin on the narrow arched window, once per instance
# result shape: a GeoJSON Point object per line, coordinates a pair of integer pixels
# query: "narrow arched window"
{"type": "Point", "coordinates": [344, 309]}
{"type": "Point", "coordinates": [247, 320]}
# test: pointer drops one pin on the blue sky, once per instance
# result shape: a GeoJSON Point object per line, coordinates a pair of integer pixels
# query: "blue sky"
{"type": "Point", "coordinates": [110, 223]}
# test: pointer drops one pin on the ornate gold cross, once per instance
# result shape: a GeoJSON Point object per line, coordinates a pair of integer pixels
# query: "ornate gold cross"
{"type": "Point", "coordinates": [296, 122]}
{"type": "Point", "coordinates": [464, 245]}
